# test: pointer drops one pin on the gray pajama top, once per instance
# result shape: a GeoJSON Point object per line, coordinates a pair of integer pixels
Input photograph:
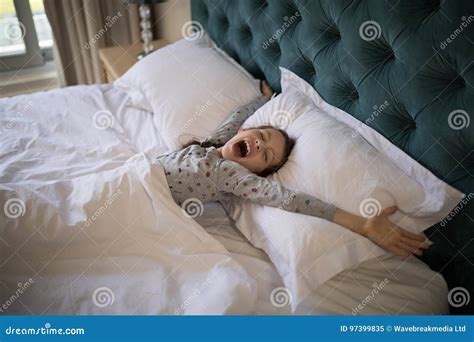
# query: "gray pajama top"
{"type": "Point", "coordinates": [201, 173]}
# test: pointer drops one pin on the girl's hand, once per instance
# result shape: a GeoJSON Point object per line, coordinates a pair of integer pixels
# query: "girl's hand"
{"type": "Point", "coordinates": [265, 89]}
{"type": "Point", "coordinates": [384, 233]}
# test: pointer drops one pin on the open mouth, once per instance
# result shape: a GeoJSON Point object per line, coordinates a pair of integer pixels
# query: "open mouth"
{"type": "Point", "coordinates": [242, 148]}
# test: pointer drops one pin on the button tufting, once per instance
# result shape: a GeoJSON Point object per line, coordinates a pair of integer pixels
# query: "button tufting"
{"type": "Point", "coordinates": [354, 95]}
{"type": "Point", "coordinates": [333, 30]}
{"type": "Point", "coordinates": [224, 22]}
{"type": "Point", "coordinates": [436, 6]}
{"type": "Point", "coordinates": [275, 48]}
{"type": "Point", "coordinates": [411, 125]}
{"type": "Point", "coordinates": [460, 82]}
{"type": "Point", "coordinates": [390, 54]}
{"type": "Point", "coordinates": [246, 30]}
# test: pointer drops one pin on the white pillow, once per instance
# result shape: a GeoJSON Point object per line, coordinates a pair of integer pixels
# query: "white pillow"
{"type": "Point", "coordinates": [190, 86]}
{"type": "Point", "coordinates": [332, 163]}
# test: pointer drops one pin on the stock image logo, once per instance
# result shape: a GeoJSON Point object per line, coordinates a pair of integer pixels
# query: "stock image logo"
{"type": "Point", "coordinates": [14, 31]}
{"type": "Point", "coordinates": [192, 208]}
{"type": "Point", "coordinates": [280, 297]}
{"type": "Point", "coordinates": [14, 208]}
{"type": "Point", "coordinates": [103, 119]}
{"type": "Point", "coordinates": [192, 30]}
{"type": "Point", "coordinates": [103, 296]}
{"type": "Point", "coordinates": [281, 119]}
{"type": "Point", "coordinates": [459, 296]}
{"type": "Point", "coordinates": [370, 207]}
{"type": "Point", "coordinates": [370, 30]}
{"type": "Point", "coordinates": [458, 119]}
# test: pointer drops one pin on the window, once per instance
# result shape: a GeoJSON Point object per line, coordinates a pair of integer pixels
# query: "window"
{"type": "Point", "coordinates": [26, 39]}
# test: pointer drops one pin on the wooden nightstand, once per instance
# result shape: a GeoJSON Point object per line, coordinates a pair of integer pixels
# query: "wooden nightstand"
{"type": "Point", "coordinates": [116, 60]}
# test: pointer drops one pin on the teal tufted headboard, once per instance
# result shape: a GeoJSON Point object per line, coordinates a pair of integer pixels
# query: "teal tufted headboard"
{"type": "Point", "coordinates": [404, 67]}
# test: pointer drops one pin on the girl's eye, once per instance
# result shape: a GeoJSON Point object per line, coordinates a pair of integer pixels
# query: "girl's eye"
{"type": "Point", "coordinates": [261, 135]}
{"type": "Point", "coordinates": [266, 156]}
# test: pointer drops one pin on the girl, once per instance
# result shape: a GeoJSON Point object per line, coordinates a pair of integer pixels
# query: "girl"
{"type": "Point", "coordinates": [235, 162]}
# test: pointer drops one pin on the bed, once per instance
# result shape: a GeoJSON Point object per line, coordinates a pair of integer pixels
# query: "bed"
{"type": "Point", "coordinates": [118, 265]}
{"type": "Point", "coordinates": [161, 262]}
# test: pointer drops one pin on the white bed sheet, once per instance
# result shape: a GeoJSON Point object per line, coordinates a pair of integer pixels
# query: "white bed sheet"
{"type": "Point", "coordinates": [64, 145]}
{"type": "Point", "coordinates": [411, 287]}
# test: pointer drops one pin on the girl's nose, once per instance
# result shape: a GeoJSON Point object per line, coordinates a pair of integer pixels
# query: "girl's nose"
{"type": "Point", "coordinates": [257, 144]}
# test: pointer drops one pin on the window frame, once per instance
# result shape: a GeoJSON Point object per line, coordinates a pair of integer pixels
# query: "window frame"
{"type": "Point", "coordinates": [33, 55]}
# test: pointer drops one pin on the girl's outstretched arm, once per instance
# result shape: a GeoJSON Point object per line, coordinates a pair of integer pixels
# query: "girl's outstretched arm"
{"type": "Point", "coordinates": [237, 117]}
{"type": "Point", "coordinates": [237, 180]}
{"type": "Point", "coordinates": [383, 232]}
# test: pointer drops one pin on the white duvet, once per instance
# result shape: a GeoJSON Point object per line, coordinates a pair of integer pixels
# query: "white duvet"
{"type": "Point", "coordinates": [88, 224]}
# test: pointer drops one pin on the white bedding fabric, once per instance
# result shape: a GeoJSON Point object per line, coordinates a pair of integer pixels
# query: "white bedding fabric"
{"type": "Point", "coordinates": [140, 255]}
{"type": "Point", "coordinates": [412, 289]}
{"type": "Point", "coordinates": [100, 233]}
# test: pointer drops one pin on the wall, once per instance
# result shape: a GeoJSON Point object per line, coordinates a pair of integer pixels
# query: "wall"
{"type": "Point", "coordinates": [170, 17]}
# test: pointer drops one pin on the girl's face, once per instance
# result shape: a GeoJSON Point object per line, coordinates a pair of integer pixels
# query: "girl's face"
{"type": "Point", "coordinates": [256, 149]}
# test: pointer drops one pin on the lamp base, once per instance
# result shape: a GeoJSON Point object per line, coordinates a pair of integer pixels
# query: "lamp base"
{"type": "Point", "coordinates": [143, 54]}
{"type": "Point", "coordinates": [146, 33]}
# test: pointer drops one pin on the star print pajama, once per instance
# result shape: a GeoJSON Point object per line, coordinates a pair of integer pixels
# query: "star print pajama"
{"type": "Point", "coordinates": [201, 173]}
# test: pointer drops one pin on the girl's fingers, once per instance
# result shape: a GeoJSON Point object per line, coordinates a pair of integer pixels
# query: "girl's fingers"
{"type": "Point", "coordinates": [410, 249]}
{"type": "Point", "coordinates": [390, 210]}
{"type": "Point", "coordinates": [415, 243]}
{"type": "Point", "coordinates": [400, 251]}
{"type": "Point", "coordinates": [413, 236]}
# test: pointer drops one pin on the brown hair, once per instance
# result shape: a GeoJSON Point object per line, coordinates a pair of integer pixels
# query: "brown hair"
{"type": "Point", "coordinates": [289, 143]}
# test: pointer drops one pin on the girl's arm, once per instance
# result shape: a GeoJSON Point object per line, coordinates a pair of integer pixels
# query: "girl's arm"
{"type": "Point", "coordinates": [383, 232]}
{"type": "Point", "coordinates": [237, 117]}
{"type": "Point", "coordinates": [239, 181]}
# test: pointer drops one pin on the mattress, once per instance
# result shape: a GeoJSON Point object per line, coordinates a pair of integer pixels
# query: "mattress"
{"type": "Point", "coordinates": [67, 139]}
